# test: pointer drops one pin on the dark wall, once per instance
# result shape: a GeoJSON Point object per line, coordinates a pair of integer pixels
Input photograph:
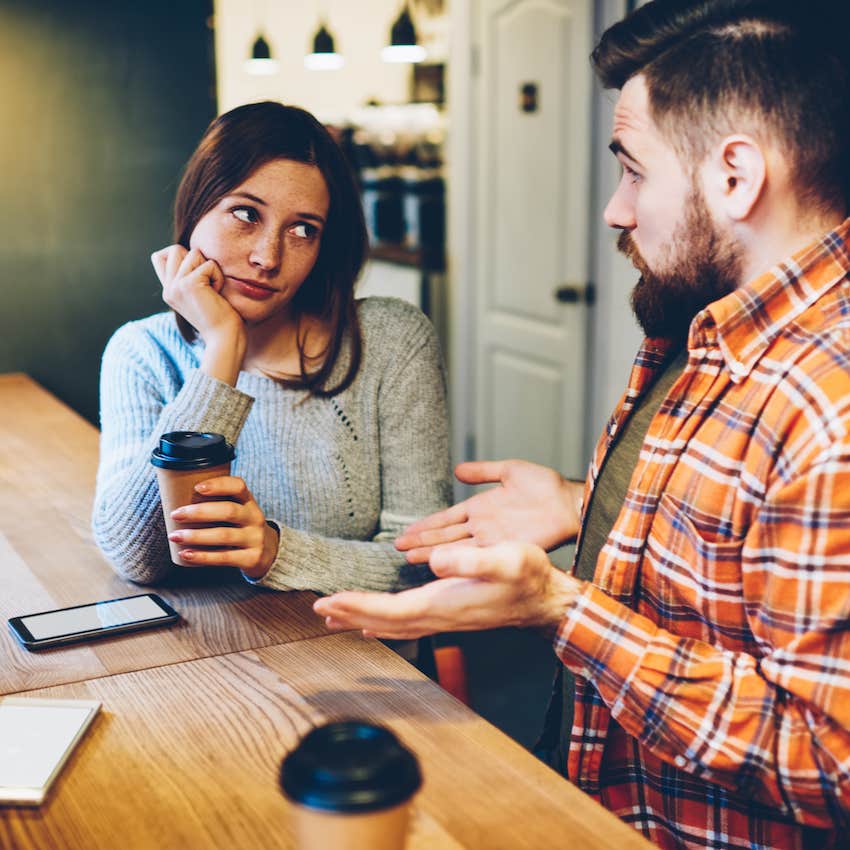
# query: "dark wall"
{"type": "Point", "coordinates": [101, 104]}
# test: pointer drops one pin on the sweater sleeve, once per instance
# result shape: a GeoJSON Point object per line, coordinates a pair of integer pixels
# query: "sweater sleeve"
{"type": "Point", "coordinates": [143, 395]}
{"type": "Point", "coordinates": [415, 481]}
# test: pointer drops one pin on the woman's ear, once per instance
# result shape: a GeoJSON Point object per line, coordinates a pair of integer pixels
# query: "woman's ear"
{"type": "Point", "coordinates": [737, 175]}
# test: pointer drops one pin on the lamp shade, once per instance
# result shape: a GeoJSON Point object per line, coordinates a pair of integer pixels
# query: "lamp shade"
{"type": "Point", "coordinates": [261, 61]}
{"type": "Point", "coordinates": [403, 46]}
{"type": "Point", "coordinates": [324, 56]}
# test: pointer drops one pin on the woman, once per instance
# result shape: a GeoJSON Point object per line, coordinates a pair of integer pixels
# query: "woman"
{"type": "Point", "coordinates": [336, 407]}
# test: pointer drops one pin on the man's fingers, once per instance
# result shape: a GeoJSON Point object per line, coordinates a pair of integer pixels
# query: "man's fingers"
{"type": "Point", "coordinates": [450, 516]}
{"type": "Point", "coordinates": [483, 563]}
{"type": "Point", "coordinates": [480, 471]}
{"type": "Point", "coordinates": [377, 612]}
{"type": "Point", "coordinates": [437, 537]}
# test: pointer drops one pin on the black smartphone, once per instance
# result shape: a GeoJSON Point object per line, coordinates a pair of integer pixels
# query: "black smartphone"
{"type": "Point", "coordinates": [95, 620]}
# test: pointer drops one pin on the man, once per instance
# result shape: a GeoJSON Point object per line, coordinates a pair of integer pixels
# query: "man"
{"type": "Point", "coordinates": [712, 648]}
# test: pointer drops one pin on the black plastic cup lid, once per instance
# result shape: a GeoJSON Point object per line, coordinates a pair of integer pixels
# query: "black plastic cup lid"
{"type": "Point", "coordinates": [191, 450]}
{"type": "Point", "coordinates": [350, 766]}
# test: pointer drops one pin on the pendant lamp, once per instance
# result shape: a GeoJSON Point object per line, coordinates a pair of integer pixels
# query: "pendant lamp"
{"type": "Point", "coordinates": [261, 60]}
{"type": "Point", "coordinates": [403, 46]}
{"type": "Point", "coordinates": [324, 56]}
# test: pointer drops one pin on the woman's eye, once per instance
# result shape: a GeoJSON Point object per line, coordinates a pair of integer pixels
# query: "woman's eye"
{"type": "Point", "coordinates": [246, 214]}
{"type": "Point", "coordinates": [304, 231]}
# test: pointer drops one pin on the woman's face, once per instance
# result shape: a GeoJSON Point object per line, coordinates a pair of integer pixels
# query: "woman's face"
{"type": "Point", "coordinates": [265, 236]}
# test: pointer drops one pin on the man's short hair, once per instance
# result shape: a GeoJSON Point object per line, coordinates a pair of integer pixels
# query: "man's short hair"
{"type": "Point", "coordinates": [765, 67]}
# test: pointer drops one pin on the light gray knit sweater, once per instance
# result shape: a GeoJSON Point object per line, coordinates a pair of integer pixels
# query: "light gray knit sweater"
{"type": "Point", "coordinates": [340, 477]}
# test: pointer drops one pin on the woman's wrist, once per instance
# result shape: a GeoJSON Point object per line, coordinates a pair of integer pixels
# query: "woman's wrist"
{"type": "Point", "coordinates": [223, 356]}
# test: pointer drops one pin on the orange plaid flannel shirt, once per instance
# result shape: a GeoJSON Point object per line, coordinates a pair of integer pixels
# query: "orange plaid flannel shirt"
{"type": "Point", "coordinates": [712, 648]}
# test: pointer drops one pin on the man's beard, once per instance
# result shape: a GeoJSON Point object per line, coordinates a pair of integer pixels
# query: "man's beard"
{"type": "Point", "coordinates": [703, 267]}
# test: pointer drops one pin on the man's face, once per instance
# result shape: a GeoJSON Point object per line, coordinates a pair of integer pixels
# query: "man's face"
{"type": "Point", "coordinates": [685, 259]}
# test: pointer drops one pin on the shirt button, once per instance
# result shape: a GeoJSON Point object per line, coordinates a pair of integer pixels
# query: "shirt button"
{"type": "Point", "coordinates": [680, 761]}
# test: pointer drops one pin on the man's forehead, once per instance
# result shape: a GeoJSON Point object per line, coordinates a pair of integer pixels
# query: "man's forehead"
{"type": "Point", "coordinates": [631, 114]}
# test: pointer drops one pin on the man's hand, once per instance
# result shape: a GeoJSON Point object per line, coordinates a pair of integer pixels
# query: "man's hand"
{"type": "Point", "coordinates": [532, 504]}
{"type": "Point", "coordinates": [512, 584]}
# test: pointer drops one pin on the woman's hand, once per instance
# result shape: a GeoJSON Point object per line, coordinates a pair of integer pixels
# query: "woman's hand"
{"type": "Point", "coordinates": [191, 286]}
{"type": "Point", "coordinates": [239, 537]}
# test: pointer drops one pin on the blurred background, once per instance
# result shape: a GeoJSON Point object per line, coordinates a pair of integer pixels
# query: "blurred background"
{"type": "Point", "coordinates": [479, 139]}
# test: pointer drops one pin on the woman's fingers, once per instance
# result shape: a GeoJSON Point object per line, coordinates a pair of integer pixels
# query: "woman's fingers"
{"type": "Point", "coordinates": [225, 536]}
{"type": "Point", "coordinates": [243, 559]}
{"type": "Point", "coordinates": [159, 260]}
{"type": "Point", "coordinates": [215, 512]}
{"type": "Point", "coordinates": [230, 486]}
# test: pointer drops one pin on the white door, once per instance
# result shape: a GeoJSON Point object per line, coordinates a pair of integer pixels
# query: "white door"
{"type": "Point", "coordinates": [531, 210]}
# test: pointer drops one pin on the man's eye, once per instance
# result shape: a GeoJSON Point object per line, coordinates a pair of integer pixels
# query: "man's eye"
{"type": "Point", "coordinates": [246, 214]}
{"type": "Point", "coordinates": [304, 231]}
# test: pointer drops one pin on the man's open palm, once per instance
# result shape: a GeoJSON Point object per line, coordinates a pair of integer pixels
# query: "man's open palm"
{"type": "Point", "coordinates": [530, 504]}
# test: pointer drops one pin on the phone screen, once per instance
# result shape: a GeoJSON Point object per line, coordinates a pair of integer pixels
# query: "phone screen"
{"type": "Point", "coordinates": [99, 616]}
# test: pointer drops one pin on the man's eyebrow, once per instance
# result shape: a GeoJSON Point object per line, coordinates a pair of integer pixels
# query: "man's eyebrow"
{"type": "Point", "coordinates": [616, 147]}
{"type": "Point", "coordinates": [262, 203]}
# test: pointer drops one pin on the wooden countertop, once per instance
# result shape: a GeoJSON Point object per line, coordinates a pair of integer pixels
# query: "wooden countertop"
{"type": "Point", "coordinates": [196, 718]}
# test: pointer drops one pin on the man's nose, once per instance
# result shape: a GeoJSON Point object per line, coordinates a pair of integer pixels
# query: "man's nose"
{"type": "Point", "coordinates": [619, 212]}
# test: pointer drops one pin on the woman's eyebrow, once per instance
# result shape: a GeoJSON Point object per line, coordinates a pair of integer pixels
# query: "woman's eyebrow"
{"type": "Point", "coordinates": [313, 216]}
{"type": "Point", "coordinates": [249, 196]}
{"type": "Point", "coordinates": [262, 203]}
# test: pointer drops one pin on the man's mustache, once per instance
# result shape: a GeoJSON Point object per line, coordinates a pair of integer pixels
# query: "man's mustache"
{"type": "Point", "coordinates": [626, 245]}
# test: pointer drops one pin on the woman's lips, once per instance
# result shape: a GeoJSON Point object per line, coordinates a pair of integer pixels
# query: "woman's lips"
{"type": "Point", "coordinates": [252, 289]}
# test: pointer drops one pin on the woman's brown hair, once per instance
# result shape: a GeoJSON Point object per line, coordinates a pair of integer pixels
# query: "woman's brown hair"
{"type": "Point", "coordinates": [233, 147]}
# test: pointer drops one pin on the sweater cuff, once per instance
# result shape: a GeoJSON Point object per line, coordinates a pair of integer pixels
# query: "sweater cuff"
{"type": "Point", "coordinates": [212, 405]}
{"type": "Point", "coordinates": [289, 554]}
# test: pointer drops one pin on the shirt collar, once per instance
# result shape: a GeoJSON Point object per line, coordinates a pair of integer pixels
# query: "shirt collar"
{"type": "Point", "coordinates": [745, 322]}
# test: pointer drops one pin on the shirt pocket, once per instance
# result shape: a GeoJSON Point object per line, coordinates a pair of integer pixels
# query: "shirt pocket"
{"type": "Point", "coordinates": [691, 576]}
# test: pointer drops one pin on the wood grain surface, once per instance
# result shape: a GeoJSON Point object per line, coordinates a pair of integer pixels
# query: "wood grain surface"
{"type": "Point", "coordinates": [48, 462]}
{"type": "Point", "coordinates": [187, 756]}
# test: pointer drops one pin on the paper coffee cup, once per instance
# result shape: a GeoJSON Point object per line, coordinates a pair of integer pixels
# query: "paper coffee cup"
{"type": "Point", "coordinates": [351, 783]}
{"type": "Point", "coordinates": [182, 460]}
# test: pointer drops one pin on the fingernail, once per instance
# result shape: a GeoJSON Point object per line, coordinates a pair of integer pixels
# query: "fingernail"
{"type": "Point", "coordinates": [187, 554]}
{"type": "Point", "coordinates": [178, 514]}
{"type": "Point", "coordinates": [176, 536]}
{"type": "Point", "coordinates": [203, 487]}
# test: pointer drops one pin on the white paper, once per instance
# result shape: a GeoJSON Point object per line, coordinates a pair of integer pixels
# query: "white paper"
{"type": "Point", "coordinates": [36, 737]}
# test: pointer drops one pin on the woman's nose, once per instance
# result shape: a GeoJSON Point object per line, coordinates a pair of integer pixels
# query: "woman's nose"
{"type": "Point", "coordinates": [267, 252]}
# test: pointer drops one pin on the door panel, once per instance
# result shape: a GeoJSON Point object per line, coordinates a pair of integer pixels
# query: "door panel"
{"type": "Point", "coordinates": [532, 208]}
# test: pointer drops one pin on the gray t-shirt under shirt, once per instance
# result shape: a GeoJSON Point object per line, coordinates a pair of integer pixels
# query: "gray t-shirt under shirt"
{"type": "Point", "coordinates": [606, 502]}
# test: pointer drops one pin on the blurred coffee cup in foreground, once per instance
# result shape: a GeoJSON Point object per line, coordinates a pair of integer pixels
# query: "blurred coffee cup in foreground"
{"type": "Point", "coordinates": [351, 783]}
{"type": "Point", "coordinates": [182, 460]}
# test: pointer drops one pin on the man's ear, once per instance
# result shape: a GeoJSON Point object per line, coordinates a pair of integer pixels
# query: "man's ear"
{"type": "Point", "coordinates": [737, 175]}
